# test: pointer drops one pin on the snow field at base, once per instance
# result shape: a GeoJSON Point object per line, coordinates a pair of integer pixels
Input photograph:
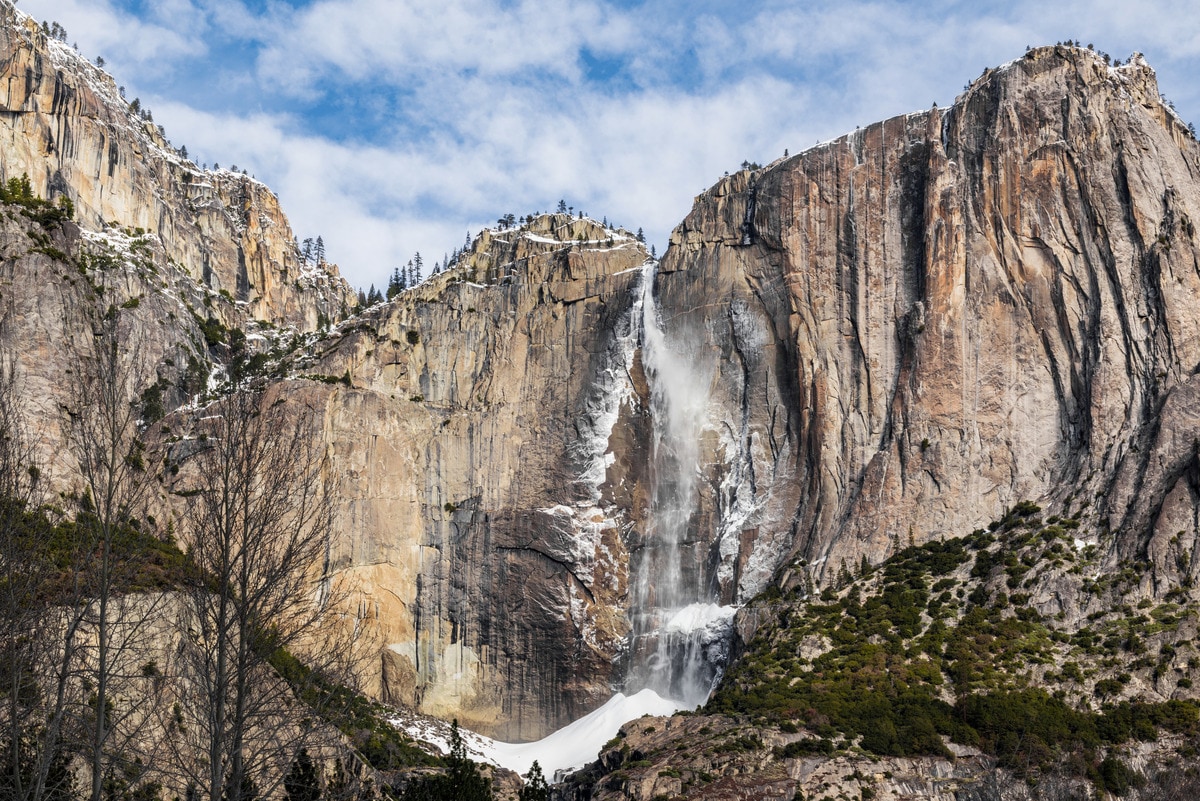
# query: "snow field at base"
{"type": "Point", "coordinates": [567, 749]}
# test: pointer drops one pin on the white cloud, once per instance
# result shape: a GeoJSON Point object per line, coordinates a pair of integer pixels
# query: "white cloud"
{"type": "Point", "coordinates": [405, 40]}
{"type": "Point", "coordinates": [638, 162]}
{"type": "Point", "coordinates": [127, 43]}
{"type": "Point", "coordinates": [457, 112]}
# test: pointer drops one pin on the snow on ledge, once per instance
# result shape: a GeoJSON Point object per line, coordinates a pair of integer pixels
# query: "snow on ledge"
{"type": "Point", "coordinates": [700, 616]}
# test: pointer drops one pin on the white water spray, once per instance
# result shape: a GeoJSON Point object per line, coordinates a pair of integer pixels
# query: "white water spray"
{"type": "Point", "coordinates": [680, 633]}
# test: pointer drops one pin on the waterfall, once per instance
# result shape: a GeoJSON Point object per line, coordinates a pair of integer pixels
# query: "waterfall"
{"type": "Point", "coordinates": [680, 633]}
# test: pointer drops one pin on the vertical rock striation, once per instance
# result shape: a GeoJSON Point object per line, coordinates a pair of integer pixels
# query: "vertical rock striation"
{"type": "Point", "coordinates": [469, 453]}
{"type": "Point", "coordinates": [959, 309]}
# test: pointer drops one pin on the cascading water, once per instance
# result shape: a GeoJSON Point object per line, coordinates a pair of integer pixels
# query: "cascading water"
{"type": "Point", "coordinates": [680, 634]}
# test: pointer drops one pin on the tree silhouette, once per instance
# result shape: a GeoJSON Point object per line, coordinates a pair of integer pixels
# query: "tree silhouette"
{"type": "Point", "coordinates": [302, 782]}
{"type": "Point", "coordinates": [535, 788]}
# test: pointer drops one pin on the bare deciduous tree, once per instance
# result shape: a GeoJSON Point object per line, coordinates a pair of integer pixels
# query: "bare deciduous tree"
{"type": "Point", "coordinates": [103, 638]}
{"type": "Point", "coordinates": [259, 523]}
{"type": "Point", "coordinates": [103, 431]}
{"type": "Point", "coordinates": [30, 717]}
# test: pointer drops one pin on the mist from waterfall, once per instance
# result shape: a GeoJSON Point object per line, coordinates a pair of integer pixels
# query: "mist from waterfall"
{"type": "Point", "coordinates": [680, 632]}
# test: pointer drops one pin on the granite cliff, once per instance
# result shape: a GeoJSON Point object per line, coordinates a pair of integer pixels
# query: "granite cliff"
{"type": "Point", "coordinates": [898, 334]}
{"type": "Point", "coordinates": [69, 128]}
{"type": "Point", "coordinates": [963, 308]}
{"type": "Point", "coordinates": [967, 308]}
{"type": "Point", "coordinates": [885, 340]}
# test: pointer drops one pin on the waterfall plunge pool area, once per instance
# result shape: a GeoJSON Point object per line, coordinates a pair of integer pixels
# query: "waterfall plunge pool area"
{"type": "Point", "coordinates": [579, 742]}
{"type": "Point", "coordinates": [679, 642]}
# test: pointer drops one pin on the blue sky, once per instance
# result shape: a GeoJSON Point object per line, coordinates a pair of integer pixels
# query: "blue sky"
{"type": "Point", "coordinates": [395, 126]}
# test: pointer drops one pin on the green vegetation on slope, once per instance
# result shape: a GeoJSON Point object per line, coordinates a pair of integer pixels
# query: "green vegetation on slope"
{"type": "Point", "coordinates": [19, 192]}
{"type": "Point", "coordinates": [363, 721]}
{"type": "Point", "coordinates": [941, 641]}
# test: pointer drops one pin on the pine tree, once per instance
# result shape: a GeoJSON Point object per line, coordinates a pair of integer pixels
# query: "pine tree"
{"type": "Point", "coordinates": [535, 788]}
{"type": "Point", "coordinates": [562, 207]}
{"type": "Point", "coordinates": [302, 782]}
{"type": "Point", "coordinates": [306, 251]}
{"type": "Point", "coordinates": [319, 250]}
{"type": "Point", "coordinates": [394, 285]}
{"type": "Point", "coordinates": [414, 270]}
{"type": "Point", "coordinates": [844, 577]}
{"type": "Point", "coordinates": [641, 237]}
{"type": "Point", "coordinates": [464, 779]}
{"type": "Point", "coordinates": [461, 781]}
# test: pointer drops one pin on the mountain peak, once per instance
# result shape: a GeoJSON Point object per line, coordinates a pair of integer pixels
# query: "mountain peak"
{"type": "Point", "coordinates": [75, 136]}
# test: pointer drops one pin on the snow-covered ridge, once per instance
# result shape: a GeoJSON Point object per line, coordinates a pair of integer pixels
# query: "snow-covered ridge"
{"type": "Point", "coordinates": [104, 85]}
{"type": "Point", "coordinates": [223, 227]}
{"type": "Point", "coordinates": [101, 83]}
{"type": "Point", "coordinates": [491, 257]}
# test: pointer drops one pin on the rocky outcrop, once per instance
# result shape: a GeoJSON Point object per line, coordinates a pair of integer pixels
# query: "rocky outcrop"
{"type": "Point", "coordinates": [485, 562]}
{"type": "Point", "coordinates": [718, 759]}
{"type": "Point", "coordinates": [926, 320]}
{"type": "Point", "coordinates": [66, 125]}
{"type": "Point", "coordinates": [715, 757]}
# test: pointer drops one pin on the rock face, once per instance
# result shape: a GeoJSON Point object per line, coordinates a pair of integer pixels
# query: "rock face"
{"type": "Point", "coordinates": [958, 309]}
{"type": "Point", "coordinates": [899, 334]}
{"type": "Point", "coordinates": [888, 338]}
{"type": "Point", "coordinates": [68, 128]}
{"type": "Point", "coordinates": [488, 565]}
{"type": "Point", "coordinates": [715, 758]}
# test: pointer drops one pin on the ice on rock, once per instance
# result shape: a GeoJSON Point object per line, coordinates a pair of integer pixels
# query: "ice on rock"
{"type": "Point", "coordinates": [701, 617]}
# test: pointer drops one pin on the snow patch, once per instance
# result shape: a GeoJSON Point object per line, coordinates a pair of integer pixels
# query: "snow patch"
{"type": "Point", "coordinates": [567, 749]}
{"type": "Point", "coordinates": [699, 617]}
